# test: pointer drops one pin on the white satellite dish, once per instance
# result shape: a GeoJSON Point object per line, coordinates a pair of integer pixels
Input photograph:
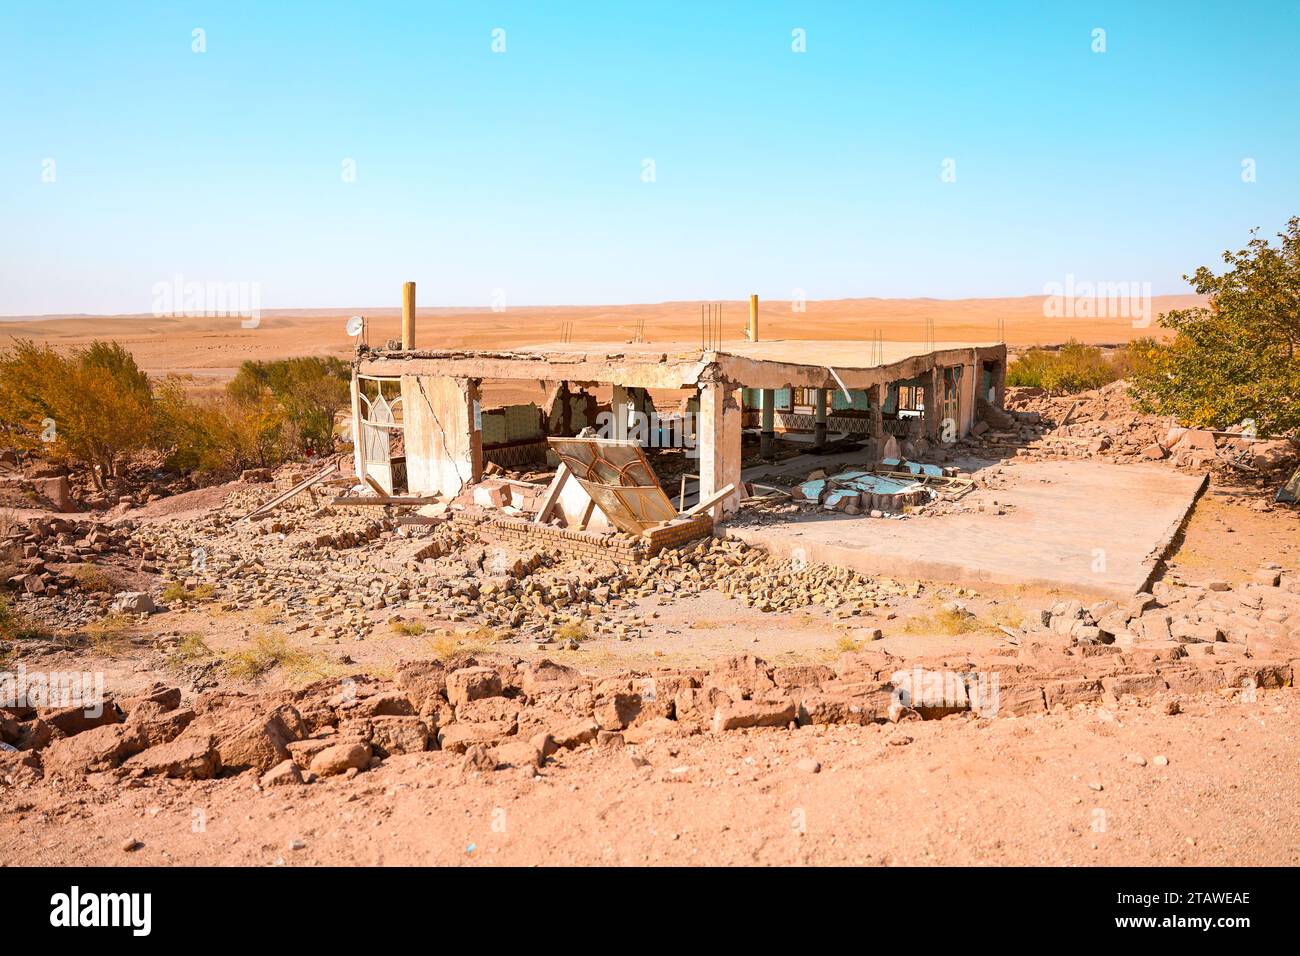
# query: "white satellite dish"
{"type": "Point", "coordinates": [356, 325]}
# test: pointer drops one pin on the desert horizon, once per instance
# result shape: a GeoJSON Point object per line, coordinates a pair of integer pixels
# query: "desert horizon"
{"type": "Point", "coordinates": [213, 347]}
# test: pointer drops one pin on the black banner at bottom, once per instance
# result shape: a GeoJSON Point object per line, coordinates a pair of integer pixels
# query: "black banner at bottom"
{"type": "Point", "coordinates": [141, 906]}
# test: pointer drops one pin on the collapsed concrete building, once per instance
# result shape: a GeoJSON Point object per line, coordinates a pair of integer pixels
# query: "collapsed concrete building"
{"type": "Point", "coordinates": [423, 430]}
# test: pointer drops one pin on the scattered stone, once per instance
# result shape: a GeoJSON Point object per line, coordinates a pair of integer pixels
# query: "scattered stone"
{"type": "Point", "coordinates": [283, 774]}
{"type": "Point", "coordinates": [340, 758]}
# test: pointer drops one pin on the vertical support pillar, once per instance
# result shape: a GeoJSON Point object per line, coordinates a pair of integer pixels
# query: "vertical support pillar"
{"type": "Point", "coordinates": [819, 418]}
{"type": "Point", "coordinates": [753, 318]}
{"type": "Point", "coordinates": [933, 403]}
{"type": "Point", "coordinates": [358, 452]}
{"type": "Point", "coordinates": [967, 404]}
{"type": "Point", "coordinates": [718, 443]}
{"type": "Point", "coordinates": [876, 395]}
{"type": "Point", "coordinates": [626, 401]}
{"type": "Point", "coordinates": [618, 409]}
{"type": "Point", "coordinates": [767, 435]}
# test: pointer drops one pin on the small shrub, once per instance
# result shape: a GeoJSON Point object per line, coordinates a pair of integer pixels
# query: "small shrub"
{"type": "Point", "coordinates": [848, 644]}
{"type": "Point", "coordinates": [268, 651]}
{"type": "Point", "coordinates": [15, 626]}
{"type": "Point", "coordinates": [177, 593]}
{"type": "Point", "coordinates": [1073, 368]}
{"type": "Point", "coordinates": [98, 578]}
{"type": "Point", "coordinates": [572, 631]}
{"type": "Point", "coordinates": [944, 621]}
{"type": "Point", "coordinates": [409, 628]}
{"type": "Point", "coordinates": [309, 392]}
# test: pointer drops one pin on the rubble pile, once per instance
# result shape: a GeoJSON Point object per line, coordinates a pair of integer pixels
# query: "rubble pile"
{"type": "Point", "coordinates": [494, 712]}
{"type": "Point", "coordinates": [40, 483]}
{"type": "Point", "coordinates": [326, 570]}
{"type": "Point", "coordinates": [1104, 423]}
{"type": "Point", "coordinates": [1209, 619]}
{"type": "Point", "coordinates": [46, 551]}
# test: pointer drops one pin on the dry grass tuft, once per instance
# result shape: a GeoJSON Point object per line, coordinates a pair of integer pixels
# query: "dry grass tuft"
{"type": "Point", "coordinates": [444, 644]}
{"type": "Point", "coordinates": [111, 634]}
{"type": "Point", "coordinates": [95, 578]}
{"type": "Point", "coordinates": [572, 631]}
{"type": "Point", "coordinates": [849, 644]}
{"type": "Point", "coordinates": [267, 652]}
{"type": "Point", "coordinates": [191, 650]}
{"type": "Point", "coordinates": [947, 622]}
{"type": "Point", "coordinates": [177, 593]}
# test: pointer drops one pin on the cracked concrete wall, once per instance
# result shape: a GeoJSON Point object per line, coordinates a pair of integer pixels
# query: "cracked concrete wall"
{"type": "Point", "coordinates": [444, 446]}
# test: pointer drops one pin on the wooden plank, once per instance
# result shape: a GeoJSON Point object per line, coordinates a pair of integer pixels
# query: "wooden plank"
{"type": "Point", "coordinates": [709, 502]}
{"type": "Point", "coordinates": [295, 490]}
{"type": "Point", "coordinates": [586, 514]}
{"type": "Point", "coordinates": [552, 495]}
{"type": "Point", "coordinates": [385, 500]}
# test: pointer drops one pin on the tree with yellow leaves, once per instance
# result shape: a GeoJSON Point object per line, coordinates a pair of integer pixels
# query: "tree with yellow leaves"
{"type": "Point", "coordinates": [1237, 361]}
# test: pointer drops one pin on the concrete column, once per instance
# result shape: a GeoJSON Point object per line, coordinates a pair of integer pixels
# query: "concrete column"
{"type": "Point", "coordinates": [819, 417]}
{"type": "Point", "coordinates": [358, 454]}
{"type": "Point", "coordinates": [618, 408]}
{"type": "Point", "coordinates": [876, 395]}
{"type": "Point", "coordinates": [444, 444]}
{"type": "Point", "coordinates": [970, 376]}
{"type": "Point", "coordinates": [767, 435]}
{"type": "Point", "coordinates": [933, 404]}
{"type": "Point", "coordinates": [626, 400]}
{"type": "Point", "coordinates": [718, 442]}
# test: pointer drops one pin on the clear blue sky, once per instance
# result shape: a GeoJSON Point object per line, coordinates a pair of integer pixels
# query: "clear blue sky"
{"type": "Point", "coordinates": [522, 170]}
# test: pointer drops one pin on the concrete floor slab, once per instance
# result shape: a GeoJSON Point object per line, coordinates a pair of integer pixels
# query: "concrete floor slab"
{"type": "Point", "coordinates": [1085, 526]}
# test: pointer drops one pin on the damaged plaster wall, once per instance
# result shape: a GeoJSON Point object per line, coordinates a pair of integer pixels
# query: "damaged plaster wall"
{"type": "Point", "coordinates": [444, 448]}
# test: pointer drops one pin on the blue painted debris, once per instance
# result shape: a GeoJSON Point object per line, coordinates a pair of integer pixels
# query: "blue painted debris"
{"type": "Point", "coordinates": [850, 483]}
{"type": "Point", "coordinates": [915, 467]}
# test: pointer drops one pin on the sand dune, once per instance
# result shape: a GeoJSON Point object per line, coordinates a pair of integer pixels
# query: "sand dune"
{"type": "Point", "coordinates": [212, 348]}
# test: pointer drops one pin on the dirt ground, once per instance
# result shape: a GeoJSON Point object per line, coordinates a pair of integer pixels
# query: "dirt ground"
{"type": "Point", "coordinates": [1052, 790]}
{"type": "Point", "coordinates": [1112, 784]}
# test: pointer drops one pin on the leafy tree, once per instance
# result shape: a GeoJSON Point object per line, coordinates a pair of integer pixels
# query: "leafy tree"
{"type": "Point", "coordinates": [309, 390]}
{"type": "Point", "coordinates": [215, 435]}
{"type": "Point", "coordinates": [1239, 359]}
{"type": "Point", "coordinates": [91, 406]}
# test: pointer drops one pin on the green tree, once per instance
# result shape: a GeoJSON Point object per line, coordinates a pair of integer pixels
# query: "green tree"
{"type": "Point", "coordinates": [1238, 359]}
{"type": "Point", "coordinates": [91, 406]}
{"type": "Point", "coordinates": [309, 390]}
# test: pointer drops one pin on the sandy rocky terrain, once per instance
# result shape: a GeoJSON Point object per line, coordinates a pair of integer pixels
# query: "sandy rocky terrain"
{"type": "Point", "coordinates": [210, 349]}
{"type": "Point", "coordinates": [330, 685]}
